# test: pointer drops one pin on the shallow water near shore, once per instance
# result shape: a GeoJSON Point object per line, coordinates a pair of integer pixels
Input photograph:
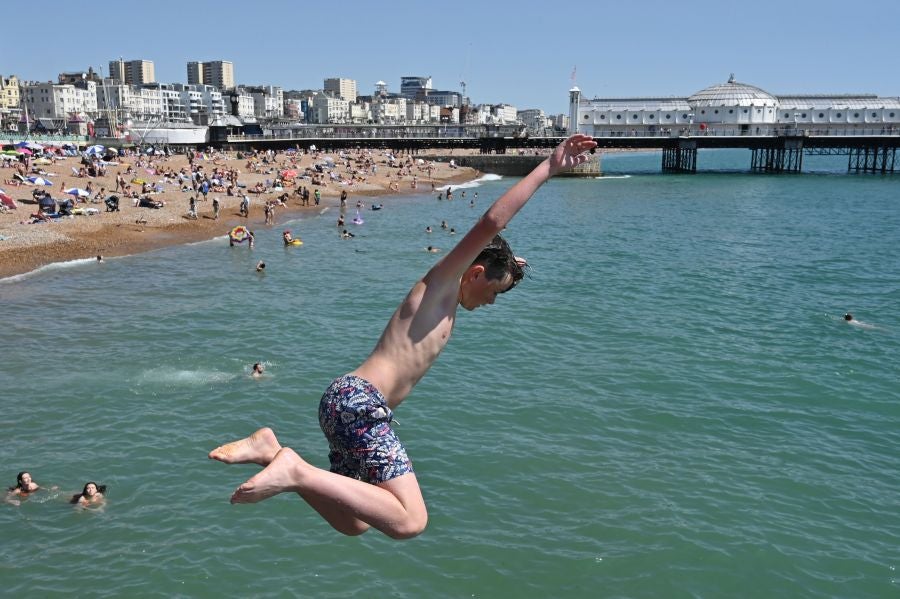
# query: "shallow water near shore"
{"type": "Point", "coordinates": [670, 406]}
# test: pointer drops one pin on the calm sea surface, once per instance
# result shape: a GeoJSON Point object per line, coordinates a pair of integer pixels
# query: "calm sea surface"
{"type": "Point", "coordinates": [672, 405]}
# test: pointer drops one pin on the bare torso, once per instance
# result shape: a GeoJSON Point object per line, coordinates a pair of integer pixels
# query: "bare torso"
{"type": "Point", "coordinates": [412, 339]}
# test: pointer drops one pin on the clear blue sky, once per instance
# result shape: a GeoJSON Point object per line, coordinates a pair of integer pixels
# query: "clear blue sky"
{"type": "Point", "coordinates": [521, 52]}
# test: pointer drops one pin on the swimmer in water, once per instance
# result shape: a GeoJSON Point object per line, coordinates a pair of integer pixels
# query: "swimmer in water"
{"type": "Point", "coordinates": [25, 486]}
{"type": "Point", "coordinates": [258, 370]}
{"type": "Point", "coordinates": [92, 494]}
{"type": "Point", "coordinates": [857, 323]}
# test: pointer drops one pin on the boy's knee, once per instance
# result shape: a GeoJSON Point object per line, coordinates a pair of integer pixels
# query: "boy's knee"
{"type": "Point", "coordinates": [409, 529]}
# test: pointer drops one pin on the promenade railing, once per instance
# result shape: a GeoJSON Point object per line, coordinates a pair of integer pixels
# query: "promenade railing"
{"type": "Point", "coordinates": [12, 138]}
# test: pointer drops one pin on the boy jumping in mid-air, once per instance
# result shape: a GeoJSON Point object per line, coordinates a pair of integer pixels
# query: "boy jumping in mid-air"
{"type": "Point", "coordinates": [371, 482]}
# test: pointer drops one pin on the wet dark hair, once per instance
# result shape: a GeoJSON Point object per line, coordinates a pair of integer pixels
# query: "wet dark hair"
{"type": "Point", "coordinates": [19, 481]}
{"type": "Point", "coordinates": [498, 260]}
{"type": "Point", "coordinates": [100, 489]}
{"type": "Point", "coordinates": [848, 316]}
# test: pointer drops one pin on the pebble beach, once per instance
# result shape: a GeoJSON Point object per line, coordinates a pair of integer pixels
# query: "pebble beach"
{"type": "Point", "coordinates": [25, 246]}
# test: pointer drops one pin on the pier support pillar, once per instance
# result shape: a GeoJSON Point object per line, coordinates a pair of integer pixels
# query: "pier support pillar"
{"type": "Point", "coordinates": [680, 159]}
{"type": "Point", "coordinates": [787, 158]}
{"type": "Point", "coordinates": [872, 159]}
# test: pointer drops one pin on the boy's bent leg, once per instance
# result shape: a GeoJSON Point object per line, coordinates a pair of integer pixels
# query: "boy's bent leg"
{"type": "Point", "coordinates": [395, 507]}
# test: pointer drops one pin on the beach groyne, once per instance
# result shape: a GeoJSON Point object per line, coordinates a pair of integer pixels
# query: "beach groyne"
{"type": "Point", "coordinates": [518, 165]}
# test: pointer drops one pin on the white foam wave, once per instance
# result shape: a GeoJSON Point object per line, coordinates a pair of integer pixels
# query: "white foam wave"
{"type": "Point", "coordinates": [49, 268]}
{"type": "Point", "coordinates": [473, 183]}
{"type": "Point", "coordinates": [180, 377]}
{"type": "Point", "coordinates": [613, 177]}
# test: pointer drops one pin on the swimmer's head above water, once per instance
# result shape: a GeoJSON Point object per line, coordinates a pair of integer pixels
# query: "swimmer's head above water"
{"type": "Point", "coordinates": [848, 317]}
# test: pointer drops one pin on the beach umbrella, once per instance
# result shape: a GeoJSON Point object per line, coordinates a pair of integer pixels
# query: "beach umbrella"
{"type": "Point", "coordinates": [7, 201]}
{"type": "Point", "coordinates": [39, 181]}
{"type": "Point", "coordinates": [33, 145]}
{"type": "Point", "coordinates": [78, 192]}
{"type": "Point", "coordinates": [95, 150]}
{"type": "Point", "coordinates": [25, 151]}
{"type": "Point", "coordinates": [112, 151]}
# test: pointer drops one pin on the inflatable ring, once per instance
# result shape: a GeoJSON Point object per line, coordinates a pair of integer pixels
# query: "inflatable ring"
{"type": "Point", "coordinates": [239, 234]}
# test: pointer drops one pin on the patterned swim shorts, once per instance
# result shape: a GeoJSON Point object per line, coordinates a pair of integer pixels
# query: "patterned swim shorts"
{"type": "Point", "coordinates": [356, 421]}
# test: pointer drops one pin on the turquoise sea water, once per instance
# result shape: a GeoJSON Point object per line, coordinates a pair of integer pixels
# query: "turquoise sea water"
{"type": "Point", "coordinates": [671, 406]}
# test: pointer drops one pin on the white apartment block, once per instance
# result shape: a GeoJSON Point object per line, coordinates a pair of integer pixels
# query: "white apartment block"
{"type": "Point", "coordinates": [204, 103]}
{"type": "Point", "coordinates": [327, 109]}
{"type": "Point", "coordinates": [504, 114]}
{"type": "Point", "coordinates": [176, 102]}
{"type": "Point", "coordinates": [342, 88]}
{"type": "Point", "coordinates": [421, 113]}
{"type": "Point", "coordinates": [390, 111]}
{"type": "Point", "coordinates": [534, 119]}
{"type": "Point", "coordinates": [360, 113]}
{"type": "Point", "coordinates": [49, 100]}
{"type": "Point", "coordinates": [415, 112]}
{"type": "Point", "coordinates": [268, 101]}
{"type": "Point", "coordinates": [561, 122]}
{"type": "Point", "coordinates": [244, 105]}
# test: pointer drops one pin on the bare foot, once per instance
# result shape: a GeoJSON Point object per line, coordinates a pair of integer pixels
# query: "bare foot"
{"type": "Point", "coordinates": [281, 475]}
{"type": "Point", "coordinates": [259, 448]}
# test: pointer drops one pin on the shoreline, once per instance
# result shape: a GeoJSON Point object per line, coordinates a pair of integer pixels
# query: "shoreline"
{"type": "Point", "coordinates": [25, 248]}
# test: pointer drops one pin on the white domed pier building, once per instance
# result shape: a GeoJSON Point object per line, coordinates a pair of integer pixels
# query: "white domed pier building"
{"type": "Point", "coordinates": [778, 128]}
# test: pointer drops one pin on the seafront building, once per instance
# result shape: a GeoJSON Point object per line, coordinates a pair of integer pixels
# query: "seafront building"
{"type": "Point", "coordinates": [60, 101]}
{"type": "Point", "coordinates": [342, 88]}
{"type": "Point", "coordinates": [732, 108]}
{"type": "Point", "coordinates": [412, 86]}
{"type": "Point", "coordinates": [218, 73]}
{"type": "Point", "coordinates": [9, 93]}
{"type": "Point", "coordinates": [130, 99]}
{"type": "Point", "coordinates": [132, 72]}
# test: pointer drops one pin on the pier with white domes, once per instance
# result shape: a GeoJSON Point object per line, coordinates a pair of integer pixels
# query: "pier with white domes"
{"type": "Point", "coordinates": [779, 130]}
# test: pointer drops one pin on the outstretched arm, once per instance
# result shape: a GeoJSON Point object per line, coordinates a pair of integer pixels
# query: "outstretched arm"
{"type": "Point", "coordinates": [567, 155]}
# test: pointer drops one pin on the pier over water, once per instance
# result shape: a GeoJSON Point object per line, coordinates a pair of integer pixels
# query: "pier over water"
{"type": "Point", "coordinates": [774, 150]}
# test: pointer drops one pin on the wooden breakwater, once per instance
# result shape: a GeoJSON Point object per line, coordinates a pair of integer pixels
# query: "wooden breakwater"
{"type": "Point", "coordinates": [510, 165]}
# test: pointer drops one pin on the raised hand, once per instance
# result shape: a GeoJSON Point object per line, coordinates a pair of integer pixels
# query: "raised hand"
{"type": "Point", "coordinates": [571, 153]}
